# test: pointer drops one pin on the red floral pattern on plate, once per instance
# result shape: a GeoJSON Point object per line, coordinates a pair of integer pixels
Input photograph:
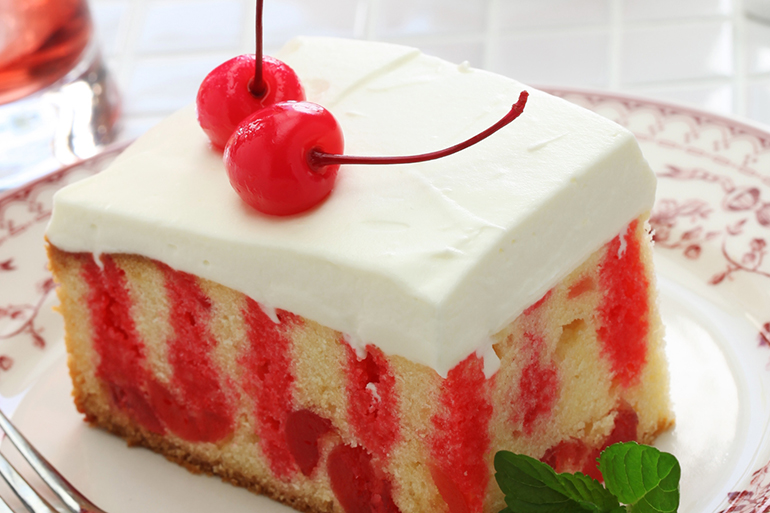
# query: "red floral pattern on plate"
{"type": "Point", "coordinates": [26, 285]}
{"type": "Point", "coordinates": [756, 498]}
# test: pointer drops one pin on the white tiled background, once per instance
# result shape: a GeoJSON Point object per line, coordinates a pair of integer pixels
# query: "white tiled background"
{"type": "Point", "coordinates": [707, 53]}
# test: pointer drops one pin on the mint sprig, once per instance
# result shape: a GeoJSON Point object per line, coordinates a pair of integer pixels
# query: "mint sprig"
{"type": "Point", "coordinates": [532, 486]}
{"type": "Point", "coordinates": [643, 478]}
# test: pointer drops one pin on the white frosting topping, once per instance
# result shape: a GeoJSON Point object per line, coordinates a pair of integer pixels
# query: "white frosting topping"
{"type": "Point", "coordinates": [426, 261]}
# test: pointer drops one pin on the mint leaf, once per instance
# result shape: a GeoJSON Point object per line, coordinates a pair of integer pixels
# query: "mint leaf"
{"type": "Point", "coordinates": [531, 486]}
{"type": "Point", "coordinates": [644, 478]}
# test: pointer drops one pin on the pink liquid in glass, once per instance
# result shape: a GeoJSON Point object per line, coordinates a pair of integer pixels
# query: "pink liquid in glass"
{"type": "Point", "coordinates": [40, 41]}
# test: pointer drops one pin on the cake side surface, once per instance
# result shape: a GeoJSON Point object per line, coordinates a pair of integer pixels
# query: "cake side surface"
{"type": "Point", "coordinates": [426, 261]}
{"type": "Point", "coordinates": [374, 353]}
{"type": "Point", "coordinates": [284, 406]}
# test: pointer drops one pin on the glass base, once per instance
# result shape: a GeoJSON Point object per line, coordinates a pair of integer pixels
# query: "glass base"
{"type": "Point", "coordinates": [73, 119]}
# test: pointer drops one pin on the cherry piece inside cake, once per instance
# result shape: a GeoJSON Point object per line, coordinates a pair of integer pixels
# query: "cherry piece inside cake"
{"type": "Point", "coordinates": [374, 352]}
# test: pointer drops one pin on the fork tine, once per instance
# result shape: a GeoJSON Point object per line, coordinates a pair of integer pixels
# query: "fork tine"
{"type": "Point", "coordinates": [32, 501]}
{"type": "Point", "coordinates": [73, 500]}
{"type": "Point", "coordinates": [4, 508]}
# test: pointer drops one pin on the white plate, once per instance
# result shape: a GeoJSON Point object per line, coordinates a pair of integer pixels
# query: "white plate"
{"type": "Point", "coordinates": [712, 224]}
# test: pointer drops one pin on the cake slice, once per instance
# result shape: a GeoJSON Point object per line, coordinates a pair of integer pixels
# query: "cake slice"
{"type": "Point", "coordinates": [374, 353]}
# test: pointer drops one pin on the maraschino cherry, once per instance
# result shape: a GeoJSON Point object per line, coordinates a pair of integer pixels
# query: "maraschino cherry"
{"type": "Point", "coordinates": [284, 159]}
{"type": "Point", "coordinates": [267, 157]}
{"type": "Point", "coordinates": [241, 86]}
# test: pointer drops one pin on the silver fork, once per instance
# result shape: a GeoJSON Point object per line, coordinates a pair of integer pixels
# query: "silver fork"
{"type": "Point", "coordinates": [73, 500]}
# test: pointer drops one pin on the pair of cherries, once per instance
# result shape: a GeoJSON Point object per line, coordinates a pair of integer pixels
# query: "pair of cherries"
{"type": "Point", "coordinates": [266, 130]}
{"type": "Point", "coordinates": [281, 152]}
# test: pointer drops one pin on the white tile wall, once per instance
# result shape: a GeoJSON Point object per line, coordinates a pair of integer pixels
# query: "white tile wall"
{"type": "Point", "coordinates": [683, 51]}
{"type": "Point", "coordinates": [759, 101]}
{"type": "Point", "coordinates": [109, 17]}
{"type": "Point", "coordinates": [703, 52]}
{"type": "Point", "coordinates": [757, 47]}
{"type": "Point", "coordinates": [191, 26]}
{"type": "Point", "coordinates": [429, 17]}
{"type": "Point", "coordinates": [522, 15]}
{"type": "Point", "coordinates": [161, 84]}
{"type": "Point", "coordinates": [573, 58]}
{"type": "Point", "coordinates": [285, 19]}
{"type": "Point", "coordinates": [670, 10]}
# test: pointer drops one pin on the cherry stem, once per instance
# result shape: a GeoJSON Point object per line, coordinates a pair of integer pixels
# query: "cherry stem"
{"type": "Point", "coordinates": [257, 87]}
{"type": "Point", "coordinates": [318, 159]}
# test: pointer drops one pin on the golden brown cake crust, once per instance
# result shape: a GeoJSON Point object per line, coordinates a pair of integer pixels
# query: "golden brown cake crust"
{"type": "Point", "coordinates": [138, 437]}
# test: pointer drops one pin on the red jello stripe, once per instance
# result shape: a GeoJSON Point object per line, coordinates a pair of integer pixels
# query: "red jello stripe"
{"type": "Point", "coordinates": [569, 456]}
{"type": "Point", "coordinates": [453, 497]}
{"type": "Point", "coordinates": [586, 284]}
{"type": "Point", "coordinates": [538, 387]}
{"type": "Point", "coordinates": [372, 401]}
{"type": "Point", "coordinates": [304, 428]}
{"type": "Point", "coordinates": [357, 484]}
{"type": "Point", "coordinates": [572, 455]}
{"type": "Point", "coordinates": [269, 380]}
{"type": "Point", "coordinates": [625, 428]}
{"type": "Point", "coordinates": [195, 406]}
{"type": "Point", "coordinates": [121, 353]}
{"type": "Point", "coordinates": [460, 439]}
{"type": "Point", "coordinates": [624, 308]}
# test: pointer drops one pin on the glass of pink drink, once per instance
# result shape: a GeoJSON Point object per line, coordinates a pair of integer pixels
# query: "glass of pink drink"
{"type": "Point", "coordinates": [57, 102]}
